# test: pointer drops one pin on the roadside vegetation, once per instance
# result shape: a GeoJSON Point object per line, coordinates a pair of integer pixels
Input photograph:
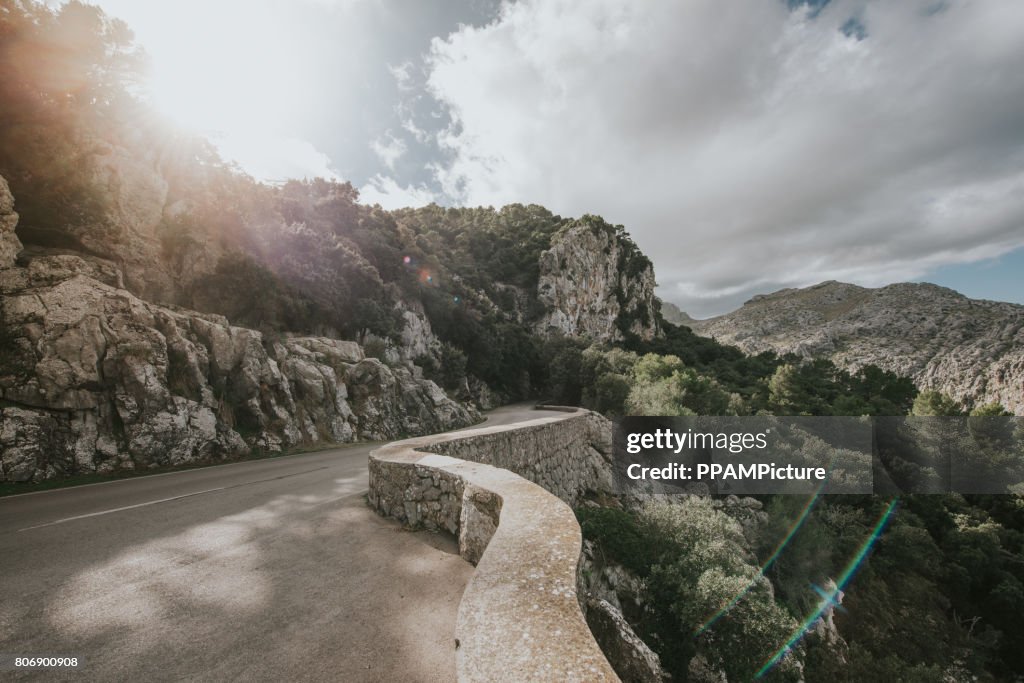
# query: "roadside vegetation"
{"type": "Point", "coordinates": [945, 581]}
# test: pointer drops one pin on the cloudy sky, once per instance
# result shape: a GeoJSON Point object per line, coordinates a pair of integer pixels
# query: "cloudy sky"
{"type": "Point", "coordinates": [746, 145]}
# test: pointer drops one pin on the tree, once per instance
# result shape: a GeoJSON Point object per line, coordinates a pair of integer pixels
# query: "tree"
{"type": "Point", "coordinates": [931, 403]}
{"type": "Point", "coordinates": [702, 570]}
{"type": "Point", "coordinates": [663, 385]}
{"type": "Point", "coordinates": [993, 409]}
{"type": "Point", "coordinates": [785, 393]}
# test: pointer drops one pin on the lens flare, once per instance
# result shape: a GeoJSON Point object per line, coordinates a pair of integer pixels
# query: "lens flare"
{"type": "Point", "coordinates": [811, 502]}
{"type": "Point", "coordinates": [801, 518]}
{"type": "Point", "coordinates": [844, 579]}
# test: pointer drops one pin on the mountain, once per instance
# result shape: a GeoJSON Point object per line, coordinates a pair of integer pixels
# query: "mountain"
{"type": "Point", "coordinates": [671, 314]}
{"type": "Point", "coordinates": [152, 337]}
{"type": "Point", "coordinates": [970, 349]}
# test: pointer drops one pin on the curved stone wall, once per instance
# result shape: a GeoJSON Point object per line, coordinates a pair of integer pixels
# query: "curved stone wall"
{"type": "Point", "coordinates": [519, 619]}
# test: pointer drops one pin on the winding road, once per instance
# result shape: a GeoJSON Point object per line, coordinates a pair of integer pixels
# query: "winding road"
{"type": "Point", "coordinates": [264, 570]}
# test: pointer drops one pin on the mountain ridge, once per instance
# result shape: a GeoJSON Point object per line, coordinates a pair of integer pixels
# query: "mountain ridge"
{"type": "Point", "coordinates": [970, 349]}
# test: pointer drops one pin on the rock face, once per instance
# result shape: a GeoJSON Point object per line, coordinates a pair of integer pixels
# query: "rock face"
{"type": "Point", "coordinates": [132, 195]}
{"type": "Point", "coordinates": [93, 379]}
{"type": "Point", "coordinates": [9, 243]}
{"type": "Point", "coordinates": [672, 314]}
{"type": "Point", "coordinates": [595, 283]}
{"type": "Point", "coordinates": [970, 349]}
{"type": "Point", "coordinates": [630, 656]}
{"type": "Point", "coordinates": [137, 194]}
{"type": "Point", "coordinates": [608, 590]}
{"type": "Point", "coordinates": [417, 337]}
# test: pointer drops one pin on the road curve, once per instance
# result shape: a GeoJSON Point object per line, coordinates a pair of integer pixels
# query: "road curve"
{"type": "Point", "coordinates": [265, 570]}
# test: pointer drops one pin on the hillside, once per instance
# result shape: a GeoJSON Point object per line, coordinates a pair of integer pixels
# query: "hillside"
{"type": "Point", "coordinates": [971, 350]}
{"type": "Point", "coordinates": [331, 328]}
{"type": "Point", "coordinates": [162, 308]}
{"type": "Point", "coordinates": [671, 314]}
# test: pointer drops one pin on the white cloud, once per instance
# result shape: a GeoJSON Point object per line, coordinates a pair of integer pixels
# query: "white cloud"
{"type": "Point", "coordinates": [403, 75]}
{"type": "Point", "coordinates": [746, 146]}
{"type": "Point", "coordinates": [390, 195]}
{"type": "Point", "coordinates": [389, 149]}
{"type": "Point", "coordinates": [273, 158]}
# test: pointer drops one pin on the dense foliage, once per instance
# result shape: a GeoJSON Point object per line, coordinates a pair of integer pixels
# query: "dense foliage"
{"type": "Point", "coordinates": [693, 560]}
{"type": "Point", "coordinates": [945, 580]}
{"type": "Point", "coordinates": [683, 374]}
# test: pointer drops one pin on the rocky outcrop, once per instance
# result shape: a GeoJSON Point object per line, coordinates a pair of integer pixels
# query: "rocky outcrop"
{"type": "Point", "coordinates": [93, 379]}
{"type": "Point", "coordinates": [608, 592]}
{"type": "Point", "coordinates": [630, 656]}
{"type": "Point", "coordinates": [970, 349]}
{"type": "Point", "coordinates": [671, 314]}
{"type": "Point", "coordinates": [417, 337]}
{"type": "Point", "coordinates": [416, 340]}
{"type": "Point", "coordinates": [136, 193]}
{"type": "Point", "coordinates": [9, 243]}
{"type": "Point", "coordinates": [595, 283]}
{"type": "Point", "coordinates": [124, 225]}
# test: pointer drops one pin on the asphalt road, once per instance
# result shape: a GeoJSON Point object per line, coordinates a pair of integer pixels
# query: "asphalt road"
{"type": "Point", "coordinates": [267, 570]}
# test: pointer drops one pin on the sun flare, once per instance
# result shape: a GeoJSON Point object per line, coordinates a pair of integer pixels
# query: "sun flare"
{"type": "Point", "coordinates": [243, 85]}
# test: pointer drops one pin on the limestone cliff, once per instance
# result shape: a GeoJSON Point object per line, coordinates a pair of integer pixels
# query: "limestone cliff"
{"type": "Point", "coordinates": [970, 349]}
{"type": "Point", "coordinates": [595, 283]}
{"type": "Point", "coordinates": [671, 314]}
{"type": "Point", "coordinates": [9, 243]}
{"type": "Point", "coordinates": [94, 379]}
{"type": "Point", "coordinates": [417, 338]}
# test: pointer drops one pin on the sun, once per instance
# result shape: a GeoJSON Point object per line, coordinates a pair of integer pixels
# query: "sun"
{"type": "Point", "coordinates": [220, 88]}
{"type": "Point", "coordinates": [235, 78]}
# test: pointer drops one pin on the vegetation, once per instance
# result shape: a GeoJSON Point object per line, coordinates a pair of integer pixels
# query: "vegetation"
{"type": "Point", "coordinates": [946, 579]}
{"type": "Point", "coordinates": [693, 560]}
{"type": "Point", "coordinates": [683, 374]}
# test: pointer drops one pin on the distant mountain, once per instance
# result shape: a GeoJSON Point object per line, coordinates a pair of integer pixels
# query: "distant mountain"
{"type": "Point", "coordinates": [672, 314]}
{"type": "Point", "coordinates": [970, 349]}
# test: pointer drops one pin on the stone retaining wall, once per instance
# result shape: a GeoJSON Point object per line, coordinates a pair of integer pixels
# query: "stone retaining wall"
{"type": "Point", "coordinates": [566, 455]}
{"type": "Point", "coordinates": [519, 618]}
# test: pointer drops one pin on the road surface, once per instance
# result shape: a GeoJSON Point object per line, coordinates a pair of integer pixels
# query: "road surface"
{"type": "Point", "coordinates": [266, 570]}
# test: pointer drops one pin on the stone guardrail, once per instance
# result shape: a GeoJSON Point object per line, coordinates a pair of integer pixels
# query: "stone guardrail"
{"type": "Point", "coordinates": [519, 618]}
